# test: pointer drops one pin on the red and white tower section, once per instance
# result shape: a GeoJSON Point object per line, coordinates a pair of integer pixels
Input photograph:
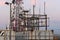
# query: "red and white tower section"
{"type": "Point", "coordinates": [16, 9]}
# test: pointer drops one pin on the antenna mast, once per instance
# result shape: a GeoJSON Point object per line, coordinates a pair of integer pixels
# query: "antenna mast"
{"type": "Point", "coordinates": [44, 6]}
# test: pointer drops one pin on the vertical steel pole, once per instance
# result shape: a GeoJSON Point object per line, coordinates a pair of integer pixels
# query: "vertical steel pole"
{"type": "Point", "coordinates": [46, 22]}
{"type": "Point", "coordinates": [33, 9]}
{"type": "Point", "coordinates": [10, 23]}
{"type": "Point", "coordinates": [44, 7]}
{"type": "Point", "coordinates": [33, 15]}
{"type": "Point", "coordinates": [45, 14]}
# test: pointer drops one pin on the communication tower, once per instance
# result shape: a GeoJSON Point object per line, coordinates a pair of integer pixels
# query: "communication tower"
{"type": "Point", "coordinates": [16, 10]}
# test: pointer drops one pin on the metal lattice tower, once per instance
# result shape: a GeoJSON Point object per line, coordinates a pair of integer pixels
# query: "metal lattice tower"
{"type": "Point", "coordinates": [16, 10]}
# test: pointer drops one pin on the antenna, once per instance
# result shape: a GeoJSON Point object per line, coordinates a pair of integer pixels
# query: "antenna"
{"type": "Point", "coordinates": [44, 7]}
{"type": "Point", "coordinates": [39, 11]}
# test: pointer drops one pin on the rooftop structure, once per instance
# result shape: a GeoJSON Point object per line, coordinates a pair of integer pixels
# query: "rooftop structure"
{"type": "Point", "coordinates": [26, 26]}
{"type": "Point", "coordinates": [21, 20]}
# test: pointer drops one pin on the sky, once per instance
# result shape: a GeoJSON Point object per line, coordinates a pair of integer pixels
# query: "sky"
{"type": "Point", "coordinates": [52, 10]}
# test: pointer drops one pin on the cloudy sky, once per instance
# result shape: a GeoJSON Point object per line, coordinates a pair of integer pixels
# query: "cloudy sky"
{"type": "Point", "coordinates": [52, 10]}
